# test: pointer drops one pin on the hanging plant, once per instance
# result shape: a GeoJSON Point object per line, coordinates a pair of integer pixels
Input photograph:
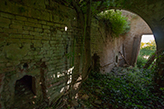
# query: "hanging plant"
{"type": "Point", "coordinates": [114, 20]}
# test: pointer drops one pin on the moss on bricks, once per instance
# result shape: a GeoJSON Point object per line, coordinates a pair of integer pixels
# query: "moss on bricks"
{"type": "Point", "coordinates": [6, 15]}
{"type": "Point", "coordinates": [19, 36]}
{"type": "Point", "coordinates": [4, 22]}
{"type": "Point", "coordinates": [21, 18]}
{"type": "Point", "coordinates": [28, 36]}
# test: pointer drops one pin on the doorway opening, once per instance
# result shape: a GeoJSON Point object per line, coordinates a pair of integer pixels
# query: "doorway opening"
{"type": "Point", "coordinates": [147, 49]}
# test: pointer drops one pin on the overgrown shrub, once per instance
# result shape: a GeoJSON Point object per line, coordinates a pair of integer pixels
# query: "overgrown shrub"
{"type": "Point", "coordinates": [146, 50]}
{"type": "Point", "coordinates": [115, 21]}
{"type": "Point", "coordinates": [141, 61]}
{"type": "Point", "coordinates": [124, 88]}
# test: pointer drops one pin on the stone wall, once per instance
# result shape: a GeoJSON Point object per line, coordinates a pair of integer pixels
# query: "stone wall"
{"type": "Point", "coordinates": [110, 49]}
{"type": "Point", "coordinates": [138, 27]}
{"type": "Point", "coordinates": [106, 47]}
{"type": "Point", "coordinates": [41, 39]}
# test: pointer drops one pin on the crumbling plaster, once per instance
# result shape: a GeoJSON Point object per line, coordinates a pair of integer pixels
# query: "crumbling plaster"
{"type": "Point", "coordinates": [108, 48]}
{"type": "Point", "coordinates": [35, 29]}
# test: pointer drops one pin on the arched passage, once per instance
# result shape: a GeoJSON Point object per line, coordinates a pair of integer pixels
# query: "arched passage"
{"type": "Point", "coordinates": [117, 51]}
{"type": "Point", "coordinates": [152, 16]}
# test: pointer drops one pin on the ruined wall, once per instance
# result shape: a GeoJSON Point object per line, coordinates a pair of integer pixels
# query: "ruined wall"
{"type": "Point", "coordinates": [106, 47]}
{"type": "Point", "coordinates": [41, 39]}
{"type": "Point", "coordinates": [138, 27]}
{"type": "Point", "coordinates": [110, 49]}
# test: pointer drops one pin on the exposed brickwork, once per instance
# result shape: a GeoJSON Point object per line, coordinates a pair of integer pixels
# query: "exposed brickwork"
{"type": "Point", "coordinates": [35, 35]}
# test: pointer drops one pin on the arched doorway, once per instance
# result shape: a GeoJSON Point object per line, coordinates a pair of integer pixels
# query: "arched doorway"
{"type": "Point", "coordinates": [122, 50]}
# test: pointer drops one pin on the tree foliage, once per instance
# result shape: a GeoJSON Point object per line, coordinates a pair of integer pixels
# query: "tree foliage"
{"type": "Point", "coordinates": [146, 50]}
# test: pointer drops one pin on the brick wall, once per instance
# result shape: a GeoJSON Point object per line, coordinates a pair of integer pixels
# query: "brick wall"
{"type": "Point", "coordinates": [45, 37]}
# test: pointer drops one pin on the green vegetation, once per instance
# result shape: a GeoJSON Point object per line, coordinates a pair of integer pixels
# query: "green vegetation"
{"type": "Point", "coordinates": [115, 21]}
{"type": "Point", "coordinates": [123, 88]}
{"type": "Point", "coordinates": [146, 50]}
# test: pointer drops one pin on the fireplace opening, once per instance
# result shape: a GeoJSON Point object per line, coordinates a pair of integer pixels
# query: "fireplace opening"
{"type": "Point", "coordinates": [25, 85]}
{"type": "Point", "coordinates": [25, 91]}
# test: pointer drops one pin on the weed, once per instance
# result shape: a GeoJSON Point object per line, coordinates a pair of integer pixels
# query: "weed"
{"type": "Point", "coordinates": [124, 88]}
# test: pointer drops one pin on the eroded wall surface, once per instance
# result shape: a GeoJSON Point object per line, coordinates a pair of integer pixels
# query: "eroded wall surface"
{"type": "Point", "coordinates": [138, 27]}
{"type": "Point", "coordinates": [41, 39]}
{"type": "Point", "coordinates": [110, 50]}
{"type": "Point", "coordinates": [106, 47]}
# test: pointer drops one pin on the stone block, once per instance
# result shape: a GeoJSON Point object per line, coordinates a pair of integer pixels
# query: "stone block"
{"type": "Point", "coordinates": [32, 24]}
{"type": "Point", "coordinates": [46, 27]}
{"type": "Point", "coordinates": [32, 20]}
{"type": "Point", "coordinates": [4, 22]}
{"type": "Point", "coordinates": [28, 28]}
{"type": "Point", "coordinates": [23, 32]}
{"type": "Point", "coordinates": [46, 38]}
{"type": "Point", "coordinates": [34, 33]}
{"type": "Point", "coordinates": [47, 31]}
{"type": "Point", "coordinates": [38, 37]}
{"type": "Point", "coordinates": [43, 34]}
{"type": "Point", "coordinates": [25, 40]}
{"type": "Point", "coordinates": [9, 30]}
{"type": "Point", "coordinates": [52, 42]}
{"type": "Point", "coordinates": [50, 23]}
{"type": "Point", "coordinates": [38, 29]}
{"type": "Point", "coordinates": [16, 26]}
{"type": "Point", "coordinates": [28, 36]}
{"type": "Point", "coordinates": [37, 43]}
{"type": "Point", "coordinates": [15, 41]}
{"type": "Point", "coordinates": [21, 18]}
{"type": "Point", "coordinates": [6, 15]}
{"type": "Point", "coordinates": [42, 22]}
{"type": "Point", "coordinates": [17, 22]}
{"type": "Point", "coordinates": [45, 42]}
{"type": "Point", "coordinates": [18, 36]}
